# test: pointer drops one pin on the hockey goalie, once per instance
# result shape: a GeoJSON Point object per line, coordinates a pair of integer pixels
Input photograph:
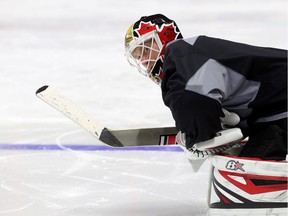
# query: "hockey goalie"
{"type": "Point", "coordinates": [210, 85]}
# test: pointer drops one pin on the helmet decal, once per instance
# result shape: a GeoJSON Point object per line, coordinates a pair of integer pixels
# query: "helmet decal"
{"type": "Point", "coordinates": [144, 28]}
{"type": "Point", "coordinates": [129, 36]}
{"type": "Point", "coordinates": [166, 32]}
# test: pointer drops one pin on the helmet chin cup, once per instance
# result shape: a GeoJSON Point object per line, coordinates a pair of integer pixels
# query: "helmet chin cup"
{"type": "Point", "coordinates": [156, 73]}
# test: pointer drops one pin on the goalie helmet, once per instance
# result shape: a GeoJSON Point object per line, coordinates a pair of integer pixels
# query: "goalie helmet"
{"type": "Point", "coordinates": [146, 41]}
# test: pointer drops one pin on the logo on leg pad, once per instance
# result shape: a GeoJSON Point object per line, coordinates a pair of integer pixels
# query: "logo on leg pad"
{"type": "Point", "coordinates": [234, 165]}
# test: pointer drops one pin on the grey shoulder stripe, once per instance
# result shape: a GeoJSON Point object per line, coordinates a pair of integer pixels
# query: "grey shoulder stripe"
{"type": "Point", "coordinates": [274, 117]}
{"type": "Point", "coordinates": [191, 41]}
{"type": "Point", "coordinates": [223, 84]}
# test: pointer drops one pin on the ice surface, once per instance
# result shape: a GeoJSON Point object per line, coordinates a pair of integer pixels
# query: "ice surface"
{"type": "Point", "coordinates": [77, 47]}
{"type": "Point", "coordinates": [99, 183]}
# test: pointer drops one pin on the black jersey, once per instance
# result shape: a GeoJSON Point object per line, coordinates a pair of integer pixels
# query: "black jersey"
{"type": "Point", "coordinates": [202, 75]}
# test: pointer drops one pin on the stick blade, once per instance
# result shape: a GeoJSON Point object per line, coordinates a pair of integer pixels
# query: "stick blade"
{"type": "Point", "coordinates": [52, 97]}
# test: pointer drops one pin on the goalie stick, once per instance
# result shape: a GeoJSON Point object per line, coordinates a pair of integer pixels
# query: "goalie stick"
{"type": "Point", "coordinates": [113, 138]}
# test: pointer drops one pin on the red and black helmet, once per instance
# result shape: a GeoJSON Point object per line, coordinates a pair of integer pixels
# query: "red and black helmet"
{"type": "Point", "coordinates": [146, 41]}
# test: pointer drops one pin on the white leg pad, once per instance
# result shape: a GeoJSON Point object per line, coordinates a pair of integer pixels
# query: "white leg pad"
{"type": "Point", "coordinates": [246, 186]}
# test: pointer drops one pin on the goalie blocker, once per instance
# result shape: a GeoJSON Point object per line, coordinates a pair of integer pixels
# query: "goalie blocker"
{"type": "Point", "coordinates": [247, 186]}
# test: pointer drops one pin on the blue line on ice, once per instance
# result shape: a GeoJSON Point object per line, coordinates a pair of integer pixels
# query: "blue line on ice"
{"type": "Point", "coordinates": [86, 147]}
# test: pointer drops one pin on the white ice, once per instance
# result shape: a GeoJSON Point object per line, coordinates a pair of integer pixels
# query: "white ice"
{"type": "Point", "coordinates": [77, 47]}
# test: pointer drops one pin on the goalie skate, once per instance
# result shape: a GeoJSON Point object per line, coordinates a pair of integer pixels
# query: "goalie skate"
{"type": "Point", "coordinates": [248, 186]}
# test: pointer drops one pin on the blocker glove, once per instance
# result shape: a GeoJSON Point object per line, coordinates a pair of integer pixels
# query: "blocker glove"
{"type": "Point", "coordinates": [223, 141]}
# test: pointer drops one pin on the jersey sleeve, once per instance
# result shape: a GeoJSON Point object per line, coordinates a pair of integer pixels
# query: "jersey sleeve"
{"type": "Point", "coordinates": [195, 114]}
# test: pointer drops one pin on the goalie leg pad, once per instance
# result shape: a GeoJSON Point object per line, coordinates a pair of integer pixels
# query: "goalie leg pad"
{"type": "Point", "coordinates": [245, 186]}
